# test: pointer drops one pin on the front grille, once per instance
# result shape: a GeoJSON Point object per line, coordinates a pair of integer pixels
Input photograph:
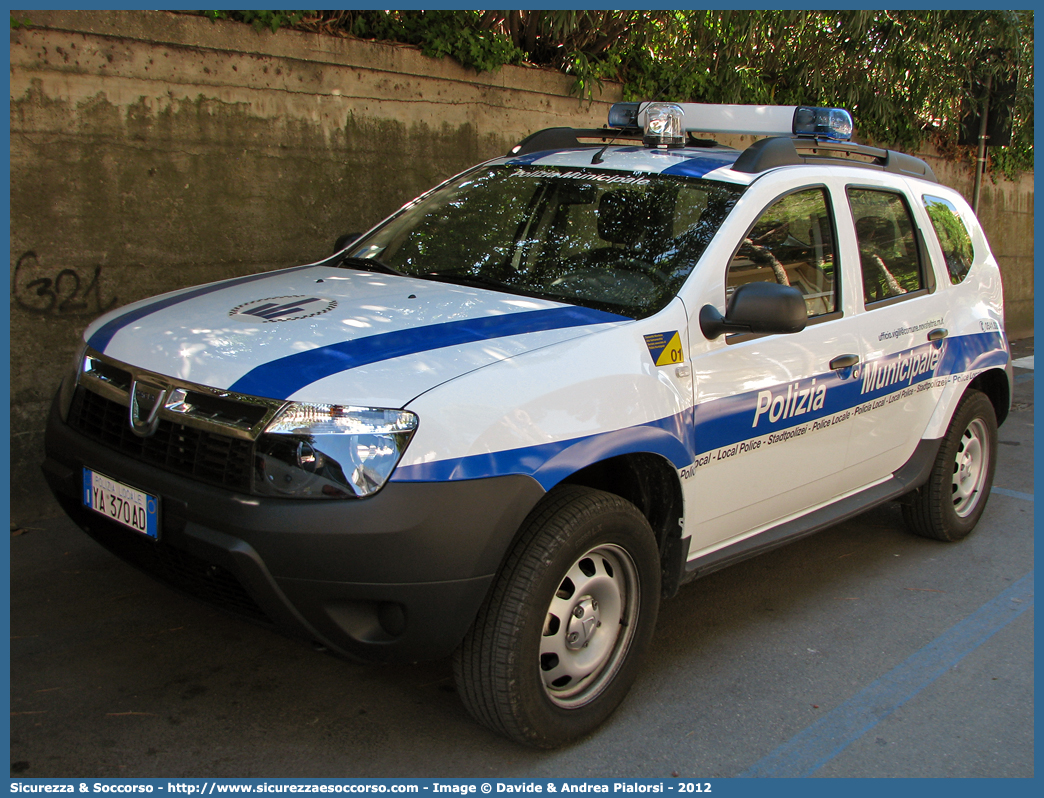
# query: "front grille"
{"type": "Point", "coordinates": [225, 411]}
{"type": "Point", "coordinates": [200, 454]}
{"type": "Point", "coordinates": [179, 569]}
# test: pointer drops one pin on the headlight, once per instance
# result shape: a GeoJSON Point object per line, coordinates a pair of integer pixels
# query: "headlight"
{"type": "Point", "coordinates": [331, 451]}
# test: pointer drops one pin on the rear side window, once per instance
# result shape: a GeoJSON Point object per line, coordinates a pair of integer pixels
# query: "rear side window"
{"type": "Point", "coordinates": [792, 243]}
{"type": "Point", "coordinates": [953, 236]}
{"type": "Point", "coordinates": [888, 253]}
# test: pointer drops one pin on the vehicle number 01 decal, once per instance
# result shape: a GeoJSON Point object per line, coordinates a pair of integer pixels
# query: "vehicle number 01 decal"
{"type": "Point", "coordinates": [665, 348]}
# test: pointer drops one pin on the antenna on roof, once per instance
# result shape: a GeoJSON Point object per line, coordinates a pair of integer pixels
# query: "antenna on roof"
{"type": "Point", "coordinates": [624, 127]}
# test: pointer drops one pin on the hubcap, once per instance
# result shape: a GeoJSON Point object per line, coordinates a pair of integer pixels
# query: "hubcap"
{"type": "Point", "coordinates": [589, 626]}
{"type": "Point", "coordinates": [969, 468]}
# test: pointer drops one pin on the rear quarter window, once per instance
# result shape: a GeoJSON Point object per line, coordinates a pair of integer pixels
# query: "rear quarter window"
{"type": "Point", "coordinates": [953, 236]}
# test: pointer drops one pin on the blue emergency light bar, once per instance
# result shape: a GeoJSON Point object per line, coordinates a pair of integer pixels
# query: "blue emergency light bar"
{"type": "Point", "coordinates": [665, 123]}
{"type": "Point", "coordinates": [823, 123]}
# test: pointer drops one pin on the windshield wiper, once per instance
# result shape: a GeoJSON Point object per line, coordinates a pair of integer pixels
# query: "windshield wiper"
{"type": "Point", "coordinates": [370, 265]}
{"type": "Point", "coordinates": [492, 284]}
{"type": "Point", "coordinates": [466, 279]}
{"type": "Point", "coordinates": [480, 281]}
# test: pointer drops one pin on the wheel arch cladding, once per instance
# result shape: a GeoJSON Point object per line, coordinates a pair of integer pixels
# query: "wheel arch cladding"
{"type": "Point", "coordinates": [994, 383]}
{"type": "Point", "coordinates": [650, 482]}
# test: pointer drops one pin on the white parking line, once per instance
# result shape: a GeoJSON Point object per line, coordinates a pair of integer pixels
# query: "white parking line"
{"type": "Point", "coordinates": [1023, 362]}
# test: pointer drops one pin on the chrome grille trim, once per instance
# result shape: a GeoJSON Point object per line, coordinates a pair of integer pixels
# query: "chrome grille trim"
{"type": "Point", "coordinates": [186, 402]}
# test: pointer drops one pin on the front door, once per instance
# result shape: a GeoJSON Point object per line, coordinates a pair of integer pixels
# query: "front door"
{"type": "Point", "coordinates": [770, 429]}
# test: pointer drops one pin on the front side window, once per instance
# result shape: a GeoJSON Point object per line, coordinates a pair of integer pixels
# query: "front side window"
{"type": "Point", "coordinates": [792, 243]}
{"type": "Point", "coordinates": [953, 236]}
{"type": "Point", "coordinates": [618, 242]}
{"type": "Point", "coordinates": [888, 254]}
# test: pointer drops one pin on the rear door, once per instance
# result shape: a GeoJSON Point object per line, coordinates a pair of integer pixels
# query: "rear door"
{"type": "Point", "coordinates": [903, 325]}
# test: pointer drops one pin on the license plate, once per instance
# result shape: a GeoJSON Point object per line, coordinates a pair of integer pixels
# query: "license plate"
{"type": "Point", "coordinates": [121, 503]}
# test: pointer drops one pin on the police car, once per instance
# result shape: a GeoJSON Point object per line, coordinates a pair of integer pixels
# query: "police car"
{"type": "Point", "coordinates": [510, 419]}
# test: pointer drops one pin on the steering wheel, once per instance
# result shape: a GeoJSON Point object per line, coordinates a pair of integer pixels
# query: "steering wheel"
{"type": "Point", "coordinates": [619, 259]}
{"type": "Point", "coordinates": [643, 266]}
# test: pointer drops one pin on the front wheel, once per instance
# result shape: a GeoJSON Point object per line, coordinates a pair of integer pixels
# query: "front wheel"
{"type": "Point", "coordinates": [949, 504]}
{"type": "Point", "coordinates": [557, 644]}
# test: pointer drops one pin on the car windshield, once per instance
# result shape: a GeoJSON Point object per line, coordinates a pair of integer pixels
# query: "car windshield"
{"type": "Point", "coordinates": [609, 240]}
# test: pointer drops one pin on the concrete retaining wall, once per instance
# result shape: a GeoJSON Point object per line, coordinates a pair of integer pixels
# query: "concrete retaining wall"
{"type": "Point", "coordinates": [151, 151]}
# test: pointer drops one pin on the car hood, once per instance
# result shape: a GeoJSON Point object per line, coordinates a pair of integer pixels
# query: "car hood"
{"type": "Point", "coordinates": [323, 334]}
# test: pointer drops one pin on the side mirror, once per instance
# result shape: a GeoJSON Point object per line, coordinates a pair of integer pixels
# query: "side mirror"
{"type": "Point", "coordinates": [345, 240]}
{"type": "Point", "coordinates": [761, 308]}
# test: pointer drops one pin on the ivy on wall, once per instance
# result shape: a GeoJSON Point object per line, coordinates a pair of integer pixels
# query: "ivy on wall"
{"type": "Point", "coordinates": [909, 77]}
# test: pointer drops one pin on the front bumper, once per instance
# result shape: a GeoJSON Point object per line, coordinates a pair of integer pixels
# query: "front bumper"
{"type": "Point", "coordinates": [396, 576]}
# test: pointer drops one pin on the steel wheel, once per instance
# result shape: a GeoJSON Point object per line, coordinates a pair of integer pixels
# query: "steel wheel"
{"type": "Point", "coordinates": [589, 626]}
{"type": "Point", "coordinates": [558, 642]}
{"type": "Point", "coordinates": [970, 468]}
{"type": "Point", "coordinates": [949, 504]}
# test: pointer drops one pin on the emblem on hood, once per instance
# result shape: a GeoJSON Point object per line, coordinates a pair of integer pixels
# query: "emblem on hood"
{"type": "Point", "coordinates": [146, 400]}
{"type": "Point", "coordinates": [282, 308]}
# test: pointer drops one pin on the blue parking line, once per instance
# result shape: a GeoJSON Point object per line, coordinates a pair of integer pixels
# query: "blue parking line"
{"type": "Point", "coordinates": [811, 749]}
{"type": "Point", "coordinates": [1013, 494]}
{"type": "Point", "coordinates": [1024, 377]}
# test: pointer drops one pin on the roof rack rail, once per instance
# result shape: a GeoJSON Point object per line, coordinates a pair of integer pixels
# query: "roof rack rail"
{"type": "Point", "coordinates": [560, 138]}
{"type": "Point", "coordinates": [783, 151]}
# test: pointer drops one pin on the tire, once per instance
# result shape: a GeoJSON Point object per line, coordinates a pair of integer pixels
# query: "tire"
{"type": "Point", "coordinates": [948, 506]}
{"type": "Point", "coordinates": [557, 643]}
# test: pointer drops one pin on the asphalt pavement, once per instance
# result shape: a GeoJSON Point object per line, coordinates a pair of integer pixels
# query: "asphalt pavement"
{"type": "Point", "coordinates": [862, 651]}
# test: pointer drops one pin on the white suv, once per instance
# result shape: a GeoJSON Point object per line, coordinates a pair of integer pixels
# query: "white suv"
{"type": "Point", "coordinates": [507, 421]}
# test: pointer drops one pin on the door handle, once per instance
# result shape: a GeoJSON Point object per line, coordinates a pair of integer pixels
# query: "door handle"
{"type": "Point", "coordinates": [843, 362]}
{"type": "Point", "coordinates": [938, 334]}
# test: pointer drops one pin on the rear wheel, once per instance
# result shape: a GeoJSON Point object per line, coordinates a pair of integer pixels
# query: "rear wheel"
{"type": "Point", "coordinates": [557, 644]}
{"type": "Point", "coordinates": [948, 506]}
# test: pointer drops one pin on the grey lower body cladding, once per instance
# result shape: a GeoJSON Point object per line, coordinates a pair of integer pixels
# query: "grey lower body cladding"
{"type": "Point", "coordinates": [397, 576]}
